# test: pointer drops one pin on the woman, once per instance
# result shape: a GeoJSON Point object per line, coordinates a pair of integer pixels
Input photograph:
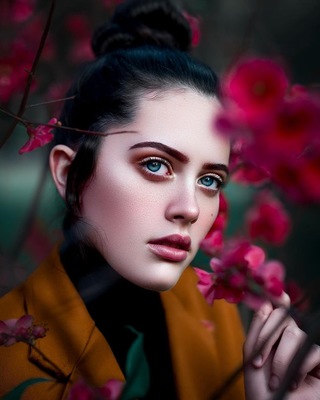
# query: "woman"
{"type": "Point", "coordinates": [139, 200]}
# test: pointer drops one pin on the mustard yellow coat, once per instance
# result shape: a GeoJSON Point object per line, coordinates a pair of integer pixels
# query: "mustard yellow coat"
{"type": "Point", "coordinates": [202, 360]}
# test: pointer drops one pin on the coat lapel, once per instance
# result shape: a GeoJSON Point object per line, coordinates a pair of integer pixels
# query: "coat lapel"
{"type": "Point", "coordinates": [72, 341]}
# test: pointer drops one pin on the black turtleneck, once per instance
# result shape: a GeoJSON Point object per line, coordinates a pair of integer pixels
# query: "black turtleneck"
{"type": "Point", "coordinates": [114, 303]}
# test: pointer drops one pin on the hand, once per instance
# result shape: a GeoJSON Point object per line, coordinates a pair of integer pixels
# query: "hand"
{"type": "Point", "coordinates": [280, 339]}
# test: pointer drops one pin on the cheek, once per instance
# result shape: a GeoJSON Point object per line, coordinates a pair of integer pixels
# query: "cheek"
{"type": "Point", "coordinates": [119, 207]}
{"type": "Point", "coordinates": [208, 215]}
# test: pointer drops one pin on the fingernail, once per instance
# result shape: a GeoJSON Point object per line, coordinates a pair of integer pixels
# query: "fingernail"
{"type": "Point", "coordinates": [257, 361]}
{"type": "Point", "coordinates": [274, 382]}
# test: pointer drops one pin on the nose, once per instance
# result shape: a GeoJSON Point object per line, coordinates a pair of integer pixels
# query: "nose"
{"type": "Point", "coordinates": [183, 206]}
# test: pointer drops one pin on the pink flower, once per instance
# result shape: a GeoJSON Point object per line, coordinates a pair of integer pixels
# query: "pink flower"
{"type": "Point", "coordinates": [268, 220]}
{"type": "Point", "coordinates": [38, 137]}
{"type": "Point", "coordinates": [297, 296]}
{"type": "Point", "coordinates": [20, 330]}
{"type": "Point", "coordinates": [213, 241]}
{"type": "Point", "coordinates": [205, 284]}
{"type": "Point", "coordinates": [292, 127]}
{"type": "Point", "coordinates": [110, 391]}
{"type": "Point", "coordinates": [241, 274]}
{"type": "Point", "coordinates": [271, 274]}
{"type": "Point", "coordinates": [194, 23]}
{"type": "Point", "coordinates": [299, 178]}
{"type": "Point", "coordinates": [256, 86]}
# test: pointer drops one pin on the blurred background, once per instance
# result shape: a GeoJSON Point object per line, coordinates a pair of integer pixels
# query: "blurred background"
{"type": "Point", "coordinates": [31, 211]}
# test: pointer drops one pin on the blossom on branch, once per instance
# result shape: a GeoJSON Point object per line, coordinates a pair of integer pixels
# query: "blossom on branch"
{"type": "Point", "coordinates": [268, 220]}
{"type": "Point", "coordinates": [20, 330]}
{"type": "Point", "coordinates": [241, 275]}
{"type": "Point", "coordinates": [38, 136]}
{"type": "Point", "coordinates": [255, 86]}
{"type": "Point", "coordinates": [274, 127]}
{"type": "Point", "coordinates": [213, 242]}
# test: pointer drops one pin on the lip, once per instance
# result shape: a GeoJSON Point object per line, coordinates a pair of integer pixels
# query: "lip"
{"type": "Point", "coordinates": [172, 248]}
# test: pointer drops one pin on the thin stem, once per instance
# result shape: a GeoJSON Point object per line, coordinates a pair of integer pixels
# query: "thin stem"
{"type": "Point", "coordinates": [31, 75]}
{"type": "Point", "coordinates": [77, 130]}
{"type": "Point", "coordinates": [60, 372]}
{"type": "Point", "coordinates": [44, 103]}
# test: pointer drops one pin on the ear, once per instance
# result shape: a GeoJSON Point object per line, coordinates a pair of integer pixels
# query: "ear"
{"type": "Point", "coordinates": [60, 159]}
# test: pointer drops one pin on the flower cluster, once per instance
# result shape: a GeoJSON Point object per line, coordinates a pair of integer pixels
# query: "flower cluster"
{"type": "Point", "coordinates": [20, 330]}
{"type": "Point", "coordinates": [82, 391]}
{"type": "Point", "coordinates": [213, 242]}
{"type": "Point", "coordinates": [267, 219]}
{"type": "Point", "coordinates": [241, 274]}
{"type": "Point", "coordinates": [275, 128]}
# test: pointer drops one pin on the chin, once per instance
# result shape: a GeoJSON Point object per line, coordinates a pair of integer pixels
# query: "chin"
{"type": "Point", "coordinates": [163, 282]}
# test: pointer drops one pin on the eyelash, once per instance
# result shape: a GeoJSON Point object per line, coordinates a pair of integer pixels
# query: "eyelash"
{"type": "Point", "coordinates": [143, 163]}
{"type": "Point", "coordinates": [217, 178]}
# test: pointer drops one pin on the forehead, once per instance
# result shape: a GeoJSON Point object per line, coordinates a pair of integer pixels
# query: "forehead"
{"type": "Point", "coordinates": [182, 119]}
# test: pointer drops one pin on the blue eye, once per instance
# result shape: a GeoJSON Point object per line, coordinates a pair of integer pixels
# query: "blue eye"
{"type": "Point", "coordinates": [156, 167]}
{"type": "Point", "coordinates": [211, 182]}
{"type": "Point", "coordinates": [153, 166]}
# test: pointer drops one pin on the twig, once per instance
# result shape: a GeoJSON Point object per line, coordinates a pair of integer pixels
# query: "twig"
{"type": "Point", "coordinates": [77, 130]}
{"type": "Point", "coordinates": [60, 376]}
{"type": "Point", "coordinates": [31, 75]}
{"type": "Point", "coordinates": [44, 103]}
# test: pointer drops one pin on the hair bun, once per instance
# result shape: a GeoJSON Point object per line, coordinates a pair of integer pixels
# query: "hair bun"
{"type": "Point", "coordinates": [142, 22]}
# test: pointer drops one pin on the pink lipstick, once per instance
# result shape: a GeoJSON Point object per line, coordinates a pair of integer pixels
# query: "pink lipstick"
{"type": "Point", "coordinates": [172, 248]}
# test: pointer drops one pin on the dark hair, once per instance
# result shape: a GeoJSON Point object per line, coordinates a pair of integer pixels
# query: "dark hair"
{"type": "Point", "coordinates": [143, 48]}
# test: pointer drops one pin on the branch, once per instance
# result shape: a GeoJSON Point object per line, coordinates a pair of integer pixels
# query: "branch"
{"type": "Point", "coordinates": [26, 123]}
{"type": "Point", "coordinates": [31, 74]}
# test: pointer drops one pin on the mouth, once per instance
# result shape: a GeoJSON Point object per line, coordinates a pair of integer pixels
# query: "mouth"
{"type": "Point", "coordinates": [171, 248]}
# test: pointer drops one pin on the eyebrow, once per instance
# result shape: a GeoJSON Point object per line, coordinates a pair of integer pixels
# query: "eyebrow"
{"type": "Point", "coordinates": [213, 166]}
{"type": "Point", "coordinates": [160, 146]}
{"type": "Point", "coordinates": [179, 156]}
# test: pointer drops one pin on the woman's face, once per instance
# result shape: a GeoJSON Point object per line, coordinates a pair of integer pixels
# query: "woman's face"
{"type": "Point", "coordinates": [154, 195]}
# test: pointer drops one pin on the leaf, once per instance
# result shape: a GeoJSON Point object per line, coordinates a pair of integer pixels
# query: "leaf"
{"type": "Point", "coordinates": [137, 370]}
{"type": "Point", "coordinates": [17, 392]}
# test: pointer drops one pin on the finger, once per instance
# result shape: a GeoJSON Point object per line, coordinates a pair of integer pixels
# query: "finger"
{"type": "Point", "coordinates": [310, 365]}
{"type": "Point", "coordinates": [291, 340]}
{"type": "Point", "coordinates": [270, 333]}
{"type": "Point", "coordinates": [257, 323]}
{"type": "Point", "coordinates": [282, 301]}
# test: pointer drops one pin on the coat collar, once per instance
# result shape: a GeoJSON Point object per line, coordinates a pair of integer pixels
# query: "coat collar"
{"type": "Point", "coordinates": [54, 301]}
{"type": "Point", "coordinates": [74, 343]}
